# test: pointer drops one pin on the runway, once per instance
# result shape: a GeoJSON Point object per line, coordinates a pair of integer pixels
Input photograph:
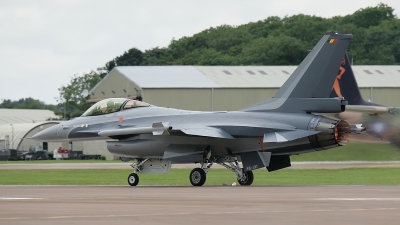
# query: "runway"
{"type": "Point", "coordinates": [126, 165]}
{"type": "Point", "coordinates": [200, 205]}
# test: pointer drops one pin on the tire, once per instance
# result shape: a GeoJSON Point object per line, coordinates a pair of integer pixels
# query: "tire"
{"type": "Point", "coordinates": [133, 179]}
{"type": "Point", "coordinates": [248, 179]}
{"type": "Point", "coordinates": [197, 177]}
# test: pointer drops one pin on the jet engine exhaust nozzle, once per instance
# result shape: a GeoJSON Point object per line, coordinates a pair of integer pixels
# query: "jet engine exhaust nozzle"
{"type": "Point", "coordinates": [333, 133]}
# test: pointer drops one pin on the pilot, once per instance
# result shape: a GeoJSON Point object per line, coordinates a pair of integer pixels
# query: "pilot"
{"type": "Point", "coordinates": [110, 107]}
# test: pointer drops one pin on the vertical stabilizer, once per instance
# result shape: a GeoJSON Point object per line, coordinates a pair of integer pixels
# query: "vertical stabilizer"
{"type": "Point", "coordinates": [345, 85]}
{"type": "Point", "coordinates": [309, 87]}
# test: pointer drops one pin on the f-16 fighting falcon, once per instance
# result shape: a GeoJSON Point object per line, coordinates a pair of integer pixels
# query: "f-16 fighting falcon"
{"type": "Point", "coordinates": [264, 135]}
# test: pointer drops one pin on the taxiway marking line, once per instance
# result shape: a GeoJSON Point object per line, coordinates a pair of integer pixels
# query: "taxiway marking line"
{"type": "Point", "coordinates": [359, 199]}
{"type": "Point", "coordinates": [19, 198]}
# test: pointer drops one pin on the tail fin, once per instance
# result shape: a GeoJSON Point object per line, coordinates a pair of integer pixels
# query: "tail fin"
{"type": "Point", "coordinates": [345, 85]}
{"type": "Point", "coordinates": [308, 88]}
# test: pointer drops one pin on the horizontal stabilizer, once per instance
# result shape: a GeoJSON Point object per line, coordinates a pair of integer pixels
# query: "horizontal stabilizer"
{"type": "Point", "coordinates": [207, 132]}
{"type": "Point", "coordinates": [284, 136]}
{"type": "Point", "coordinates": [367, 109]}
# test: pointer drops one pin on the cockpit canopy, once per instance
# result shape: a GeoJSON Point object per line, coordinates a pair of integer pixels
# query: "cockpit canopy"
{"type": "Point", "coordinates": [111, 105]}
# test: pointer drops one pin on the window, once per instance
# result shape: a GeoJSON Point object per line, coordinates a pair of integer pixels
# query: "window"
{"type": "Point", "coordinates": [105, 106]}
{"type": "Point", "coordinates": [262, 72]}
{"type": "Point", "coordinates": [250, 72]}
{"type": "Point", "coordinates": [378, 71]}
{"type": "Point", "coordinates": [227, 72]}
{"type": "Point", "coordinates": [285, 72]}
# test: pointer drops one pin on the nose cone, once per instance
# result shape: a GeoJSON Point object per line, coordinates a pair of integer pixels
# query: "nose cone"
{"type": "Point", "coordinates": [47, 135]}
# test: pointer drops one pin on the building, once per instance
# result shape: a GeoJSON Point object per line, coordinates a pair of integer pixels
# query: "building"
{"type": "Point", "coordinates": [221, 88]}
{"type": "Point", "coordinates": [16, 125]}
{"type": "Point", "coordinates": [16, 136]}
{"type": "Point", "coordinates": [14, 116]}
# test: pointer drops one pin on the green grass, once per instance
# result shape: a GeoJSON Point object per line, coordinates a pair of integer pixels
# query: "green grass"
{"type": "Point", "coordinates": [285, 177]}
{"type": "Point", "coordinates": [354, 151]}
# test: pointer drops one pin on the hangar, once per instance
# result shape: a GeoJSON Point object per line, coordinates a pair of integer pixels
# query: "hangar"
{"type": "Point", "coordinates": [220, 88]}
{"type": "Point", "coordinates": [17, 125]}
{"type": "Point", "coordinates": [16, 136]}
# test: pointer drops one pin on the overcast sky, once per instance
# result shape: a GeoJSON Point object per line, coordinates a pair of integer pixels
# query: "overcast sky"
{"type": "Point", "coordinates": [44, 43]}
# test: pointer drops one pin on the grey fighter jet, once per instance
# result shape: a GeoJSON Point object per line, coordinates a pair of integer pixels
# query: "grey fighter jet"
{"type": "Point", "coordinates": [264, 135]}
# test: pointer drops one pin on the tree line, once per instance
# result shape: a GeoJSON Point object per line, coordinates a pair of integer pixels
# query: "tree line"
{"type": "Point", "coordinates": [278, 41]}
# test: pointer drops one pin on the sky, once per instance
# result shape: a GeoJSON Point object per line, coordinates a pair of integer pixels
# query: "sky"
{"type": "Point", "coordinates": [43, 44]}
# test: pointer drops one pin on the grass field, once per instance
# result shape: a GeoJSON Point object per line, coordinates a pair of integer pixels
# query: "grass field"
{"type": "Point", "coordinates": [285, 177]}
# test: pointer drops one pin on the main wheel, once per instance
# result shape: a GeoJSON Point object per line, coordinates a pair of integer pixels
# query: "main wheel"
{"type": "Point", "coordinates": [248, 178]}
{"type": "Point", "coordinates": [197, 177]}
{"type": "Point", "coordinates": [133, 179]}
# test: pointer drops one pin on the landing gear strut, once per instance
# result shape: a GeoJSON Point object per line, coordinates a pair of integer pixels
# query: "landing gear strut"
{"type": "Point", "coordinates": [244, 178]}
{"type": "Point", "coordinates": [133, 178]}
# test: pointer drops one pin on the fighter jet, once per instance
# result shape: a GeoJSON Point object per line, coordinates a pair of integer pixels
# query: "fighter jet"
{"type": "Point", "coordinates": [263, 135]}
{"type": "Point", "coordinates": [380, 121]}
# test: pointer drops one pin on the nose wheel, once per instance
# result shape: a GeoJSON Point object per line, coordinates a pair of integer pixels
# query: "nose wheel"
{"type": "Point", "coordinates": [133, 179]}
{"type": "Point", "coordinates": [197, 177]}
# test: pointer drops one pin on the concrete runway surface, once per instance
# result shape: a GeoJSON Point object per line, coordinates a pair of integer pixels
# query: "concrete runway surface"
{"type": "Point", "coordinates": [200, 205]}
{"type": "Point", "coordinates": [126, 165]}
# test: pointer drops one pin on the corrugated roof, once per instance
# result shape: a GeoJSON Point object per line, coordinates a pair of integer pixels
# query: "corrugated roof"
{"type": "Point", "coordinates": [242, 76]}
{"type": "Point", "coordinates": [15, 116]}
{"type": "Point", "coordinates": [166, 76]}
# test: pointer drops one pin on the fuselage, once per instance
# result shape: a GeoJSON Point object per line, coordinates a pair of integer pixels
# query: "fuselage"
{"type": "Point", "coordinates": [246, 128]}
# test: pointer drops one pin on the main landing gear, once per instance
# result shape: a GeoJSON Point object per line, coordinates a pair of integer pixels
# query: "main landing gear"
{"type": "Point", "coordinates": [198, 176]}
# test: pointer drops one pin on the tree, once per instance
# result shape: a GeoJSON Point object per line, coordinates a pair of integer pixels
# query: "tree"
{"type": "Point", "coordinates": [71, 95]}
{"type": "Point", "coordinates": [278, 41]}
{"type": "Point", "coordinates": [371, 16]}
{"type": "Point", "coordinates": [133, 57]}
{"type": "Point", "coordinates": [26, 103]}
